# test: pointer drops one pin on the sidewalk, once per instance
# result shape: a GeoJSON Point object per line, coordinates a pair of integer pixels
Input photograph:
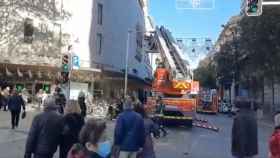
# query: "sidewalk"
{"type": "Point", "coordinates": [267, 119]}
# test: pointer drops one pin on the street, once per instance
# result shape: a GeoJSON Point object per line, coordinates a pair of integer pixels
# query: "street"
{"type": "Point", "coordinates": [204, 143]}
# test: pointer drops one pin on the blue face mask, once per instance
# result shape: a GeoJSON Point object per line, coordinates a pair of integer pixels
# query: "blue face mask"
{"type": "Point", "coordinates": [104, 149]}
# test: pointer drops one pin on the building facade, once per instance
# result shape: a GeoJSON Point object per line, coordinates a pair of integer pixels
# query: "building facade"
{"type": "Point", "coordinates": [35, 33]}
{"type": "Point", "coordinates": [119, 27]}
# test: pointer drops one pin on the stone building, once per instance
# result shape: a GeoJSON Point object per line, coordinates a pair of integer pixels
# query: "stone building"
{"type": "Point", "coordinates": [35, 33]}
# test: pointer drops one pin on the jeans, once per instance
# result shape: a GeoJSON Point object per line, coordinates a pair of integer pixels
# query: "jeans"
{"type": "Point", "coordinates": [15, 118]}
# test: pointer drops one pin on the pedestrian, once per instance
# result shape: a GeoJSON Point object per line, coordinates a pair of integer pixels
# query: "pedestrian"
{"type": "Point", "coordinates": [93, 138]}
{"type": "Point", "coordinates": [60, 99]}
{"type": "Point", "coordinates": [45, 132]}
{"type": "Point", "coordinates": [160, 108]}
{"type": "Point", "coordinates": [151, 129]}
{"type": "Point", "coordinates": [40, 98]}
{"type": "Point", "coordinates": [1, 98]}
{"type": "Point", "coordinates": [44, 96]}
{"type": "Point", "coordinates": [82, 103]}
{"type": "Point", "coordinates": [244, 130]}
{"type": "Point", "coordinates": [274, 142]}
{"type": "Point", "coordinates": [119, 108]}
{"type": "Point", "coordinates": [129, 137]}
{"type": "Point", "coordinates": [72, 125]}
{"type": "Point", "coordinates": [6, 95]}
{"type": "Point", "coordinates": [15, 103]}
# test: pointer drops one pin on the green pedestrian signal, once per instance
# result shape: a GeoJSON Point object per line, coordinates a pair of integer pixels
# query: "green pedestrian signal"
{"type": "Point", "coordinates": [253, 7]}
{"type": "Point", "coordinates": [47, 88]}
{"type": "Point", "coordinates": [19, 87]}
{"type": "Point", "coordinates": [65, 68]}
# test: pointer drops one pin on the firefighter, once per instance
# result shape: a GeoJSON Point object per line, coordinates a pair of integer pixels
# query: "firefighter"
{"type": "Point", "coordinates": [160, 107]}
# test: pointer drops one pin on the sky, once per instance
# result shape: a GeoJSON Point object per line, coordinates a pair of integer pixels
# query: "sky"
{"type": "Point", "coordinates": [193, 23]}
{"type": "Point", "coordinates": [196, 23]}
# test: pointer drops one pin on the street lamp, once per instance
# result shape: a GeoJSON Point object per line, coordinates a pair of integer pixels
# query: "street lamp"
{"type": "Point", "coordinates": [129, 32]}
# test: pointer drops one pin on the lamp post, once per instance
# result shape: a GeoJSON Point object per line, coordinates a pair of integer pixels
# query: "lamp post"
{"type": "Point", "coordinates": [129, 33]}
{"type": "Point", "coordinates": [126, 61]}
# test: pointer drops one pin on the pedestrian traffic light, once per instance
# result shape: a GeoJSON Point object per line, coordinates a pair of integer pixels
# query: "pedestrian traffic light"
{"type": "Point", "coordinates": [64, 77]}
{"type": "Point", "coordinates": [253, 7]}
{"type": "Point", "coordinates": [19, 87]}
{"type": "Point", "coordinates": [47, 88]}
{"type": "Point", "coordinates": [65, 63]}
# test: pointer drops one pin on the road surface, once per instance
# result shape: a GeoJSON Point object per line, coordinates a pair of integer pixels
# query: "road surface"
{"type": "Point", "coordinates": [200, 143]}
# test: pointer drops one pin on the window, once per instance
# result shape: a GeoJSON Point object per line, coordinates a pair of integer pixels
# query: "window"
{"type": "Point", "coordinates": [99, 14]}
{"type": "Point", "coordinates": [28, 30]}
{"type": "Point", "coordinates": [99, 43]}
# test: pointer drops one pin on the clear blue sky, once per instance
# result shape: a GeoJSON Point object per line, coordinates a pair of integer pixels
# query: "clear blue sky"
{"type": "Point", "coordinates": [193, 23]}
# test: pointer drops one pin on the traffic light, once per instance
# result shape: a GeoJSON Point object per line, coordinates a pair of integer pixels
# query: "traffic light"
{"type": "Point", "coordinates": [64, 77]}
{"type": "Point", "coordinates": [253, 7]}
{"type": "Point", "coordinates": [65, 63]}
{"type": "Point", "coordinates": [65, 68]}
{"type": "Point", "coordinates": [19, 87]}
{"type": "Point", "coordinates": [47, 88]}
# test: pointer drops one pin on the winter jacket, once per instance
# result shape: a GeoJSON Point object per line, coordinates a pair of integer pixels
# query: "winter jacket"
{"type": "Point", "coordinates": [81, 101]}
{"type": "Point", "coordinates": [44, 135]}
{"type": "Point", "coordinates": [72, 125]}
{"type": "Point", "coordinates": [15, 103]}
{"type": "Point", "coordinates": [245, 134]}
{"type": "Point", "coordinates": [129, 131]}
{"type": "Point", "coordinates": [274, 144]}
{"type": "Point", "coordinates": [148, 149]}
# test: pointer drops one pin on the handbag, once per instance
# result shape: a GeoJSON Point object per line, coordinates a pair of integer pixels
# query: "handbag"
{"type": "Point", "coordinates": [23, 115]}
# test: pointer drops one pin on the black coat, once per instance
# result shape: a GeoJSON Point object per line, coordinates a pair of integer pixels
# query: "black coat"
{"type": "Point", "coordinates": [245, 134]}
{"type": "Point", "coordinates": [15, 103]}
{"type": "Point", "coordinates": [72, 124]}
{"type": "Point", "coordinates": [44, 135]}
{"type": "Point", "coordinates": [81, 101]}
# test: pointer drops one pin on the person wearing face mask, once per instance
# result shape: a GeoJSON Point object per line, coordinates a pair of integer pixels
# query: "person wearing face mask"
{"type": "Point", "coordinates": [93, 138]}
{"type": "Point", "coordinates": [45, 132]}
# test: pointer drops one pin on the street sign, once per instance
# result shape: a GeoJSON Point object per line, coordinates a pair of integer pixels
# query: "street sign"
{"type": "Point", "coordinates": [75, 62]}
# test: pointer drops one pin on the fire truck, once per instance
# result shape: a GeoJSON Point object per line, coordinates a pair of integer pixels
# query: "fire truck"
{"type": "Point", "coordinates": [208, 101]}
{"type": "Point", "coordinates": [178, 96]}
{"type": "Point", "coordinates": [172, 83]}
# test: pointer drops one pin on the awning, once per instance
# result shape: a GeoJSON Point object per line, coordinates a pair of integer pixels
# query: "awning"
{"type": "Point", "coordinates": [18, 72]}
{"type": "Point", "coordinates": [27, 72]}
{"type": "Point", "coordinates": [120, 76]}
